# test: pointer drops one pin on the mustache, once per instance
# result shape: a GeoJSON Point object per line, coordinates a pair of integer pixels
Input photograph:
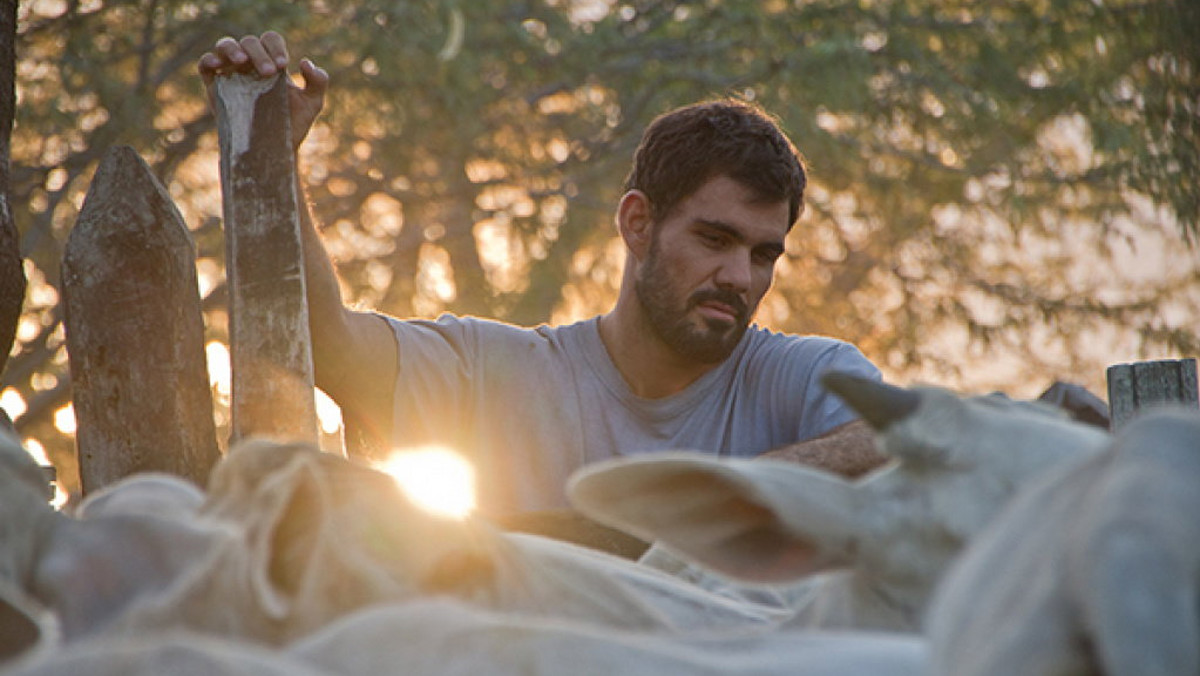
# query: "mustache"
{"type": "Point", "coordinates": [723, 296]}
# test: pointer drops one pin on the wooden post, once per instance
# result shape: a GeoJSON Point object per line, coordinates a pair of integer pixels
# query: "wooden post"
{"type": "Point", "coordinates": [1133, 387]}
{"type": "Point", "coordinates": [269, 343]}
{"type": "Point", "coordinates": [135, 333]}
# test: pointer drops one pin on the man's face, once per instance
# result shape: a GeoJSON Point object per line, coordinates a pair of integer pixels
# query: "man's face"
{"type": "Point", "coordinates": [710, 262]}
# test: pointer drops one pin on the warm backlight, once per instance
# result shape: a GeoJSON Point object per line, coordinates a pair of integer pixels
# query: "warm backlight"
{"type": "Point", "coordinates": [436, 479]}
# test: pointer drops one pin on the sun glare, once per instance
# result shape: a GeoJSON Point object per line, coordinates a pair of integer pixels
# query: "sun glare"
{"type": "Point", "coordinates": [436, 479]}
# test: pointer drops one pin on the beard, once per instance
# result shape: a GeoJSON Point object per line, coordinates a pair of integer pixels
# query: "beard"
{"type": "Point", "coordinates": [707, 340]}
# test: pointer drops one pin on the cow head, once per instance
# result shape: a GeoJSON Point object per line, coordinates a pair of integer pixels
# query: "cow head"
{"type": "Point", "coordinates": [956, 461]}
{"type": "Point", "coordinates": [26, 518]}
{"type": "Point", "coordinates": [326, 535]}
{"type": "Point", "coordinates": [157, 493]}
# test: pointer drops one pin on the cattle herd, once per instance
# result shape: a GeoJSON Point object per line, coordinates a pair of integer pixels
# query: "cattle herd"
{"type": "Point", "coordinates": [1003, 538]}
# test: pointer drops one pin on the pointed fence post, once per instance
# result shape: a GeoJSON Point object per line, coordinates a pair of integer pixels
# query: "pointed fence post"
{"type": "Point", "coordinates": [1136, 386]}
{"type": "Point", "coordinates": [135, 333]}
{"type": "Point", "coordinates": [269, 343]}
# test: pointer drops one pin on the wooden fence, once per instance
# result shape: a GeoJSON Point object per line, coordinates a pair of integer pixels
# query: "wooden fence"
{"type": "Point", "coordinates": [1136, 386]}
{"type": "Point", "coordinates": [135, 333]}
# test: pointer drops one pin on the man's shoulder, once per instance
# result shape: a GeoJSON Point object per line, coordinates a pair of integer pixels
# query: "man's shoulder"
{"type": "Point", "coordinates": [470, 334]}
{"type": "Point", "coordinates": [794, 355]}
{"type": "Point", "coordinates": [763, 342]}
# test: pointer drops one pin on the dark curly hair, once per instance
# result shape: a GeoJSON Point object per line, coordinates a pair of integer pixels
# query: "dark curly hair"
{"type": "Point", "coordinates": [683, 149]}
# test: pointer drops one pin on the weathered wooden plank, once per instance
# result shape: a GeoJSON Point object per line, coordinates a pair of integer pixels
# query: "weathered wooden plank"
{"type": "Point", "coordinates": [270, 347]}
{"type": "Point", "coordinates": [135, 333]}
{"type": "Point", "coordinates": [1139, 385]}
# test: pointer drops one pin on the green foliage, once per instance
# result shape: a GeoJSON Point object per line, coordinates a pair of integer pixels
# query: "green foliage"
{"type": "Point", "coordinates": [990, 179]}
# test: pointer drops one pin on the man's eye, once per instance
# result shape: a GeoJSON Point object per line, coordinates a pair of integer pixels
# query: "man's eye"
{"type": "Point", "coordinates": [766, 257]}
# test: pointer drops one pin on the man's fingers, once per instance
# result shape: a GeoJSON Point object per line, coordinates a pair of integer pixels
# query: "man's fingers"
{"type": "Point", "coordinates": [264, 56]}
{"type": "Point", "coordinates": [230, 52]}
{"type": "Point", "coordinates": [257, 54]}
{"type": "Point", "coordinates": [276, 48]}
{"type": "Point", "coordinates": [307, 101]}
{"type": "Point", "coordinates": [227, 56]}
{"type": "Point", "coordinates": [267, 55]}
{"type": "Point", "coordinates": [207, 66]}
{"type": "Point", "coordinates": [316, 80]}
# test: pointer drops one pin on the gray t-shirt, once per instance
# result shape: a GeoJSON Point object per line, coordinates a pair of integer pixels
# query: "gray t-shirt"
{"type": "Point", "coordinates": [529, 406]}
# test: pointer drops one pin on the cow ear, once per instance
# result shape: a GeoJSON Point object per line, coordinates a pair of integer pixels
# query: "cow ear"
{"type": "Point", "coordinates": [758, 521]}
{"type": "Point", "coordinates": [285, 542]}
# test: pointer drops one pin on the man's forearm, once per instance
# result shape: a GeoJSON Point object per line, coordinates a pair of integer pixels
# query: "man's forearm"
{"type": "Point", "coordinates": [848, 450]}
{"type": "Point", "coordinates": [353, 352]}
{"type": "Point", "coordinates": [324, 294]}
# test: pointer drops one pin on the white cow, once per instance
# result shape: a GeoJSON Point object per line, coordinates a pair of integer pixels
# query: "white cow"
{"type": "Point", "coordinates": [291, 538]}
{"type": "Point", "coordinates": [27, 628]}
{"type": "Point", "coordinates": [316, 536]}
{"type": "Point", "coordinates": [168, 653]}
{"type": "Point", "coordinates": [1096, 570]}
{"type": "Point", "coordinates": [92, 572]}
{"type": "Point", "coordinates": [156, 493]}
{"type": "Point", "coordinates": [301, 543]}
{"type": "Point", "coordinates": [87, 572]}
{"type": "Point", "coordinates": [63, 577]}
{"type": "Point", "coordinates": [440, 637]}
{"type": "Point", "coordinates": [25, 512]}
{"type": "Point", "coordinates": [875, 547]}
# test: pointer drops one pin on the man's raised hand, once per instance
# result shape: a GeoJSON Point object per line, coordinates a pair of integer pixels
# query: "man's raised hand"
{"type": "Point", "coordinates": [265, 56]}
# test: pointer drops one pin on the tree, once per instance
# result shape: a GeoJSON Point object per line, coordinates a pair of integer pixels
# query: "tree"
{"type": "Point", "coordinates": [988, 179]}
{"type": "Point", "coordinates": [12, 274]}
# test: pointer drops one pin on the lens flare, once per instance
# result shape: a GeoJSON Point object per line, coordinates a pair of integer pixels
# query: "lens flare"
{"type": "Point", "coordinates": [436, 479]}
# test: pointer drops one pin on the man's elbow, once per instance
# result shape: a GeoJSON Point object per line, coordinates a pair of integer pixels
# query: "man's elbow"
{"type": "Point", "coordinates": [848, 450]}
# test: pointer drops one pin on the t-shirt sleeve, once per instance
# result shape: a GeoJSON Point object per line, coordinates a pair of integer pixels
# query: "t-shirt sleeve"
{"type": "Point", "coordinates": [790, 374]}
{"type": "Point", "coordinates": [824, 410]}
{"type": "Point", "coordinates": [498, 394]}
{"type": "Point", "coordinates": [445, 366]}
{"type": "Point", "coordinates": [434, 364]}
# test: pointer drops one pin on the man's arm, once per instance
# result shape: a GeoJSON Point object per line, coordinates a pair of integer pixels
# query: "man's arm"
{"type": "Point", "coordinates": [354, 353]}
{"type": "Point", "coordinates": [848, 450]}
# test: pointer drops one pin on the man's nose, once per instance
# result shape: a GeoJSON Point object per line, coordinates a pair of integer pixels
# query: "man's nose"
{"type": "Point", "coordinates": [735, 272]}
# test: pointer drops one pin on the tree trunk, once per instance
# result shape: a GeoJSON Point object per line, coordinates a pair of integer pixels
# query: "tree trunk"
{"type": "Point", "coordinates": [12, 272]}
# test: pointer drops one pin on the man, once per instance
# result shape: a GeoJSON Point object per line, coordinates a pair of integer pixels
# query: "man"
{"type": "Point", "coordinates": [675, 364]}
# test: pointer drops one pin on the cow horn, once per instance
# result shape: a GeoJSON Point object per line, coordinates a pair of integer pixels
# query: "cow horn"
{"type": "Point", "coordinates": [878, 403]}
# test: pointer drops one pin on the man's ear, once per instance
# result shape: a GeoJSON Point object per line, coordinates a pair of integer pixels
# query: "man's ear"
{"type": "Point", "coordinates": [635, 222]}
